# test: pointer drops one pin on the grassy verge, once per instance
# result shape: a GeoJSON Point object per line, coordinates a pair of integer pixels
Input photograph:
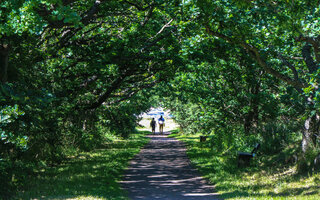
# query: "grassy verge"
{"type": "Point", "coordinates": [90, 175]}
{"type": "Point", "coordinates": [264, 179]}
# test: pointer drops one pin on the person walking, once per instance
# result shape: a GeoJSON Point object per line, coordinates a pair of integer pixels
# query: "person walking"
{"type": "Point", "coordinates": [153, 125]}
{"type": "Point", "coordinates": [161, 124]}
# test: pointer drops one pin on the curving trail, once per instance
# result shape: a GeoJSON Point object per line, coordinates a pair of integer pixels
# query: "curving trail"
{"type": "Point", "coordinates": [162, 171]}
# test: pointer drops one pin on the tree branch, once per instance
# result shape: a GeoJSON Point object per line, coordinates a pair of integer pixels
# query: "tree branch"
{"type": "Point", "coordinates": [90, 14]}
{"type": "Point", "coordinates": [158, 39]}
{"type": "Point", "coordinates": [306, 54]}
{"type": "Point", "coordinates": [315, 44]}
{"type": "Point", "coordinates": [149, 15]}
{"type": "Point", "coordinates": [139, 7]}
{"type": "Point", "coordinates": [254, 52]}
{"type": "Point", "coordinates": [293, 69]}
{"type": "Point", "coordinates": [114, 85]}
{"type": "Point", "coordinates": [133, 92]}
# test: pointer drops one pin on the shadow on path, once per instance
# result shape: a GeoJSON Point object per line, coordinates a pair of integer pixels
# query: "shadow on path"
{"type": "Point", "coordinates": [162, 171]}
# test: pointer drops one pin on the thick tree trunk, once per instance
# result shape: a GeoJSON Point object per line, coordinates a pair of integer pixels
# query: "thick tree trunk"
{"type": "Point", "coordinates": [310, 132]}
{"type": "Point", "coordinates": [4, 56]}
{"type": "Point", "coordinates": [311, 125]}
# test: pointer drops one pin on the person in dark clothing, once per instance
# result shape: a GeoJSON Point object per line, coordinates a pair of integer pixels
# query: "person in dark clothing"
{"type": "Point", "coordinates": [153, 125]}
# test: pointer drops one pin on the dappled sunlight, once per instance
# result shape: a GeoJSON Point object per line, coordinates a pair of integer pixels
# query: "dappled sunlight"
{"type": "Point", "coordinates": [74, 198]}
{"type": "Point", "coordinates": [162, 171]}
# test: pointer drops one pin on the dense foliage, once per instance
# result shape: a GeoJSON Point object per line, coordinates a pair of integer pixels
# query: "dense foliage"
{"type": "Point", "coordinates": [72, 71]}
{"type": "Point", "coordinates": [252, 76]}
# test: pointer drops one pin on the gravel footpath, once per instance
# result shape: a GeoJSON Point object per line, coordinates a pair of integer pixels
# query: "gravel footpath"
{"type": "Point", "coordinates": [162, 171]}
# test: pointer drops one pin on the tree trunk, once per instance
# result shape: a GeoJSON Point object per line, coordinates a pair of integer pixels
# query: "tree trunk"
{"type": "Point", "coordinates": [252, 118]}
{"type": "Point", "coordinates": [310, 132]}
{"type": "Point", "coordinates": [4, 56]}
{"type": "Point", "coordinates": [84, 125]}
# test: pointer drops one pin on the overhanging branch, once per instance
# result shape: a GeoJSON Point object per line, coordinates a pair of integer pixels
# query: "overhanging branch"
{"type": "Point", "coordinates": [255, 54]}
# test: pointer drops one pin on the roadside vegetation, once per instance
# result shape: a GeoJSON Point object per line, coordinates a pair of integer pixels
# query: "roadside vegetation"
{"type": "Point", "coordinates": [86, 175]}
{"type": "Point", "coordinates": [267, 177]}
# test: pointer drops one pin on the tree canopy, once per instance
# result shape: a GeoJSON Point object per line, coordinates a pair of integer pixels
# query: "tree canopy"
{"type": "Point", "coordinates": [73, 70]}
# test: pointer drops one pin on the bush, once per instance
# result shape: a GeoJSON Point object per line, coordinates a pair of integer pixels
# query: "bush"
{"type": "Point", "coordinates": [276, 136]}
{"type": "Point", "coordinates": [13, 175]}
{"type": "Point", "coordinates": [309, 160]}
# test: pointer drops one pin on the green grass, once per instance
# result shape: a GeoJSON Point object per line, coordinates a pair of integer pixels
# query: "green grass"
{"type": "Point", "coordinates": [264, 179]}
{"type": "Point", "coordinates": [89, 175]}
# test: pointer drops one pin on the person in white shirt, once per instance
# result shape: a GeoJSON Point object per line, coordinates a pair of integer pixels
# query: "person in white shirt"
{"type": "Point", "coordinates": [161, 124]}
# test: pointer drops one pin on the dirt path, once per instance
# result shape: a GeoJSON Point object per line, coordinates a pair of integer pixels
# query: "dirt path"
{"type": "Point", "coordinates": [162, 171]}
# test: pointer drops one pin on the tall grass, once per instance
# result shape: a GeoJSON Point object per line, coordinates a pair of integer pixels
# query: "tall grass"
{"type": "Point", "coordinates": [88, 175]}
